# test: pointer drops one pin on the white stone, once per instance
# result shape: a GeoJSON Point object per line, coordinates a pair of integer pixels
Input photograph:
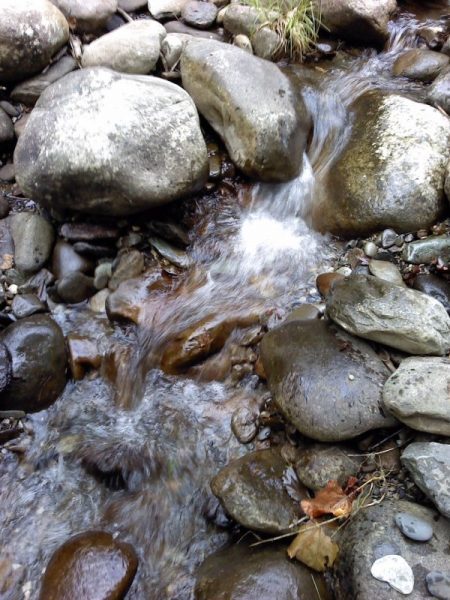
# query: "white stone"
{"type": "Point", "coordinates": [394, 570]}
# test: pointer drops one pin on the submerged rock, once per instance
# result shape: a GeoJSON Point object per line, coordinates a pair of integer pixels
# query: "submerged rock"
{"type": "Point", "coordinates": [420, 64]}
{"type": "Point", "coordinates": [418, 394]}
{"type": "Point", "coordinates": [87, 16]}
{"type": "Point", "coordinates": [38, 358]}
{"type": "Point", "coordinates": [133, 48]}
{"type": "Point", "coordinates": [429, 465]}
{"type": "Point", "coordinates": [265, 139]}
{"type": "Point", "coordinates": [390, 314]}
{"type": "Point", "coordinates": [327, 383]}
{"type": "Point", "coordinates": [243, 573]}
{"type": "Point", "coordinates": [364, 21]}
{"type": "Point", "coordinates": [90, 565]}
{"type": "Point", "coordinates": [115, 144]}
{"type": "Point", "coordinates": [372, 534]}
{"type": "Point", "coordinates": [30, 34]}
{"type": "Point", "coordinates": [391, 171]}
{"type": "Point", "coordinates": [252, 492]}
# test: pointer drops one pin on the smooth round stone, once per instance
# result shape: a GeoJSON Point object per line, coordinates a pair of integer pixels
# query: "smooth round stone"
{"type": "Point", "coordinates": [91, 565]}
{"type": "Point", "coordinates": [414, 528]}
{"type": "Point", "coordinates": [75, 287]}
{"type": "Point", "coordinates": [370, 249]}
{"type": "Point", "coordinates": [394, 570]}
{"type": "Point", "coordinates": [244, 424]}
{"type": "Point", "coordinates": [65, 260]}
{"type": "Point", "coordinates": [388, 238]}
{"type": "Point", "coordinates": [438, 584]}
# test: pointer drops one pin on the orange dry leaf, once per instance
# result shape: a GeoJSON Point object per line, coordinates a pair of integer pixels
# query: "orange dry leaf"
{"type": "Point", "coordinates": [314, 548]}
{"type": "Point", "coordinates": [329, 500]}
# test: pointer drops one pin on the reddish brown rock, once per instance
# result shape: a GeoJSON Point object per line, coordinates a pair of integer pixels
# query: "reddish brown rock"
{"type": "Point", "coordinates": [90, 566]}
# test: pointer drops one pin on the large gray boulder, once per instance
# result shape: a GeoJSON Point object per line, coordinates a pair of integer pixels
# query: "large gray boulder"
{"type": "Point", "coordinates": [418, 394]}
{"type": "Point", "coordinates": [326, 382]}
{"type": "Point", "coordinates": [372, 533]}
{"type": "Point", "coordinates": [390, 172]}
{"type": "Point", "coordinates": [132, 48]}
{"type": "Point", "coordinates": [390, 314]}
{"type": "Point", "coordinates": [30, 34]}
{"type": "Point", "coordinates": [87, 15]}
{"type": "Point", "coordinates": [364, 21]}
{"type": "Point", "coordinates": [103, 142]}
{"type": "Point", "coordinates": [251, 105]}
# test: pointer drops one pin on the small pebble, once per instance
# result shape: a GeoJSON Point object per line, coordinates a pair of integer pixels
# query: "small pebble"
{"type": "Point", "coordinates": [438, 584]}
{"type": "Point", "coordinates": [370, 249]}
{"type": "Point", "coordinates": [13, 289]}
{"type": "Point", "coordinates": [351, 377]}
{"type": "Point", "coordinates": [394, 570]}
{"type": "Point", "coordinates": [414, 528]}
{"type": "Point", "coordinates": [388, 238]}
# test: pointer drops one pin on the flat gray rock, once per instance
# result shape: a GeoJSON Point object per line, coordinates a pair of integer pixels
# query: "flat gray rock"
{"type": "Point", "coordinates": [390, 314]}
{"type": "Point", "coordinates": [438, 584]}
{"type": "Point", "coordinates": [199, 13]}
{"type": "Point", "coordinates": [428, 250]}
{"type": "Point", "coordinates": [88, 16]}
{"type": "Point", "coordinates": [115, 144]}
{"type": "Point", "coordinates": [429, 465]}
{"type": "Point", "coordinates": [29, 91]}
{"type": "Point", "coordinates": [418, 394]}
{"type": "Point", "coordinates": [327, 383]}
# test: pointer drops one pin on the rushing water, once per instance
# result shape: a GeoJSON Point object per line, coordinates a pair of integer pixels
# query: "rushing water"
{"type": "Point", "coordinates": [136, 458]}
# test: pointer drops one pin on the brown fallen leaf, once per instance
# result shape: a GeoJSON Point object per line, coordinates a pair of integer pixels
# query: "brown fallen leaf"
{"type": "Point", "coordinates": [329, 500]}
{"type": "Point", "coordinates": [314, 548]}
{"type": "Point", "coordinates": [7, 261]}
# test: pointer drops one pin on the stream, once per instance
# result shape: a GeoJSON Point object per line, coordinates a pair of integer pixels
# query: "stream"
{"type": "Point", "coordinates": [134, 453]}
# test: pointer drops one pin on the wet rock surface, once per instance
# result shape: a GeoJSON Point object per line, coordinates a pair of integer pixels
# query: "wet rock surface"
{"type": "Point", "coordinates": [391, 171]}
{"type": "Point", "coordinates": [30, 34]}
{"type": "Point", "coordinates": [244, 573]}
{"type": "Point", "coordinates": [90, 565]}
{"type": "Point", "coordinates": [265, 140]}
{"type": "Point", "coordinates": [389, 314]}
{"type": "Point", "coordinates": [327, 383]}
{"type": "Point", "coordinates": [434, 286]}
{"type": "Point", "coordinates": [417, 394]}
{"type": "Point", "coordinates": [252, 492]}
{"type": "Point", "coordinates": [373, 534]}
{"type": "Point", "coordinates": [105, 163]}
{"type": "Point", "coordinates": [38, 362]}
{"type": "Point", "coordinates": [33, 241]}
{"type": "Point", "coordinates": [429, 465]}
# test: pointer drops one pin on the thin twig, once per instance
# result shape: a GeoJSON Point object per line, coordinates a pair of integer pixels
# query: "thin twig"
{"type": "Point", "coordinates": [124, 14]}
{"type": "Point", "coordinates": [315, 585]}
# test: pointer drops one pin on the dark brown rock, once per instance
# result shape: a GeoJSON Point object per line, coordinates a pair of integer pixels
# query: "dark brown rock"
{"type": "Point", "coordinates": [325, 281]}
{"type": "Point", "coordinates": [65, 260]}
{"type": "Point", "coordinates": [420, 64]}
{"type": "Point", "coordinates": [83, 354]}
{"type": "Point", "coordinates": [90, 566]}
{"type": "Point", "coordinates": [243, 573]}
{"type": "Point", "coordinates": [88, 232]}
{"type": "Point", "coordinates": [75, 287]}
{"type": "Point", "coordinates": [326, 382]}
{"type": "Point", "coordinates": [252, 492]}
{"type": "Point", "coordinates": [38, 357]}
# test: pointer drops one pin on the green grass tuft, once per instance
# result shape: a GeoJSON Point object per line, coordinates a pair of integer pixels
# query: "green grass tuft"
{"type": "Point", "coordinates": [296, 22]}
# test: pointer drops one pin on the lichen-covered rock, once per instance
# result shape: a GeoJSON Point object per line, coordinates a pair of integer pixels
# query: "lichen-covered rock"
{"type": "Point", "coordinates": [265, 139]}
{"type": "Point", "coordinates": [390, 314]}
{"type": "Point", "coordinates": [30, 34]}
{"type": "Point", "coordinates": [390, 172]}
{"type": "Point", "coordinates": [103, 142]}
